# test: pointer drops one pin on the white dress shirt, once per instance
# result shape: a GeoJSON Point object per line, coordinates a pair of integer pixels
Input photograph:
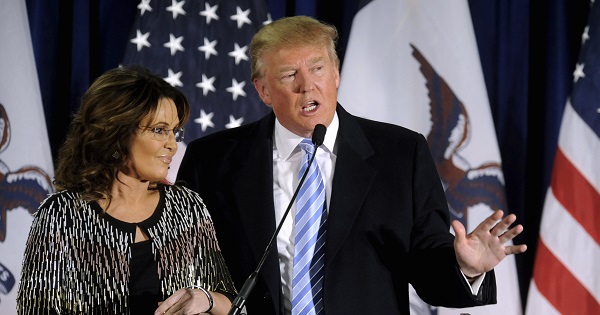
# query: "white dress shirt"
{"type": "Point", "coordinates": [287, 159]}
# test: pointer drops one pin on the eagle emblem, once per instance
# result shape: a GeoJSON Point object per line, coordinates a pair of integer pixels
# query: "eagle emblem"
{"type": "Point", "coordinates": [465, 185]}
{"type": "Point", "coordinates": [26, 187]}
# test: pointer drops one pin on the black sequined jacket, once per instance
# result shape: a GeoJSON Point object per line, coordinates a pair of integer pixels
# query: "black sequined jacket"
{"type": "Point", "coordinates": [77, 262]}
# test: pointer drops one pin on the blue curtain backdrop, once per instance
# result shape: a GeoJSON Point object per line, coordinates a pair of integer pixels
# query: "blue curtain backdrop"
{"type": "Point", "coordinates": [528, 51]}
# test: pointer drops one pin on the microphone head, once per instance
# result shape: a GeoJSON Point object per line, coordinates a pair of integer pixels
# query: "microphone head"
{"type": "Point", "coordinates": [319, 134]}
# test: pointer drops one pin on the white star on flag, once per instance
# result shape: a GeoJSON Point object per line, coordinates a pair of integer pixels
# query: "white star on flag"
{"type": "Point", "coordinates": [144, 6]}
{"type": "Point", "coordinates": [239, 53]}
{"type": "Point", "coordinates": [578, 73]}
{"type": "Point", "coordinates": [236, 89]}
{"type": "Point", "coordinates": [241, 17]}
{"type": "Point", "coordinates": [233, 122]}
{"type": "Point", "coordinates": [141, 40]}
{"type": "Point", "coordinates": [205, 120]}
{"type": "Point", "coordinates": [207, 84]}
{"type": "Point", "coordinates": [174, 78]}
{"type": "Point", "coordinates": [174, 44]}
{"type": "Point", "coordinates": [176, 8]}
{"type": "Point", "coordinates": [210, 12]}
{"type": "Point", "coordinates": [208, 48]}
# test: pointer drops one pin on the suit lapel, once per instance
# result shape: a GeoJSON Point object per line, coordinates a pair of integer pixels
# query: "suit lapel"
{"type": "Point", "coordinates": [253, 192]}
{"type": "Point", "coordinates": [352, 179]}
{"type": "Point", "coordinates": [252, 180]}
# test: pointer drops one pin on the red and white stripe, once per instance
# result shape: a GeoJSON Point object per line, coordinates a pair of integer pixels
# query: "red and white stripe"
{"type": "Point", "coordinates": [566, 277]}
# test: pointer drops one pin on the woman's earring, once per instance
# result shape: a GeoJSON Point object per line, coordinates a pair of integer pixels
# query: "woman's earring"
{"type": "Point", "coordinates": [116, 155]}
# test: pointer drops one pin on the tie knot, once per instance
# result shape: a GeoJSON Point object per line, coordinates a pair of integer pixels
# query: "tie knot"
{"type": "Point", "coordinates": [307, 146]}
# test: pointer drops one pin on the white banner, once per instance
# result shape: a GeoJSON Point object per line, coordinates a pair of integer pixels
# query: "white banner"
{"type": "Point", "coordinates": [26, 167]}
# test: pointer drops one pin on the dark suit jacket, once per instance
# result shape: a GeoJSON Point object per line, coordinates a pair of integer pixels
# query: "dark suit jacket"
{"type": "Point", "coordinates": [388, 221]}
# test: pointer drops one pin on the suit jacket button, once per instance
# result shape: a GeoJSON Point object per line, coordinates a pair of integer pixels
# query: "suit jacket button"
{"type": "Point", "coordinates": [267, 296]}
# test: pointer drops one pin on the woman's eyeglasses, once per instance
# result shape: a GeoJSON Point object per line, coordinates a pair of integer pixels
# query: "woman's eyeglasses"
{"type": "Point", "coordinates": [162, 134]}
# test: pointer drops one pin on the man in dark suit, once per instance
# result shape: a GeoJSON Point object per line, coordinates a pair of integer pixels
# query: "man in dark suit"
{"type": "Point", "coordinates": [387, 221]}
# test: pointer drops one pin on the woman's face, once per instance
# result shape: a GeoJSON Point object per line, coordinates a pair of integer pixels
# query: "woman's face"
{"type": "Point", "coordinates": [150, 155]}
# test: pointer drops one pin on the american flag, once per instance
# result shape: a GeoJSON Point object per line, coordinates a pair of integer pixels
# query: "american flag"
{"type": "Point", "coordinates": [566, 275]}
{"type": "Point", "coordinates": [201, 47]}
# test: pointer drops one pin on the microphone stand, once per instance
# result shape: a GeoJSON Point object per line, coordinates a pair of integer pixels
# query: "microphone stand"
{"type": "Point", "coordinates": [240, 300]}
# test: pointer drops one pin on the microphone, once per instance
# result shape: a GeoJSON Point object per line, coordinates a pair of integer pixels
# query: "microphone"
{"type": "Point", "coordinates": [238, 303]}
{"type": "Point", "coordinates": [318, 135]}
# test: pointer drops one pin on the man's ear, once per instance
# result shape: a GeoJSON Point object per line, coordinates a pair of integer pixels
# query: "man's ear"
{"type": "Point", "coordinates": [263, 91]}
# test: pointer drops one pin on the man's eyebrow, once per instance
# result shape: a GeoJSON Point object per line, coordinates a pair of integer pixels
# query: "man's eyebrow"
{"type": "Point", "coordinates": [316, 59]}
{"type": "Point", "coordinates": [286, 68]}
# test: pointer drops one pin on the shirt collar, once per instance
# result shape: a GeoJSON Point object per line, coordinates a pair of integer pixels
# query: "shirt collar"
{"type": "Point", "coordinates": [286, 141]}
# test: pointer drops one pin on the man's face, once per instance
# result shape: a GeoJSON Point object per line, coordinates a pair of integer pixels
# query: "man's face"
{"type": "Point", "coordinates": [300, 83]}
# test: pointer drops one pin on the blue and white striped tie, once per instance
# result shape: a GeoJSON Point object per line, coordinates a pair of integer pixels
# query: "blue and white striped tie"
{"type": "Point", "coordinates": [309, 239]}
